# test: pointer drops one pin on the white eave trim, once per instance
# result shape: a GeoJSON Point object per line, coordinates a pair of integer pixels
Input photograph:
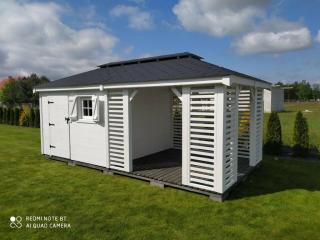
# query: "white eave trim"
{"type": "Point", "coordinates": [167, 83]}
{"type": "Point", "coordinates": [228, 81]}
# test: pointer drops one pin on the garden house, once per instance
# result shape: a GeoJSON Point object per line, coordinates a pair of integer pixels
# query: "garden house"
{"type": "Point", "coordinates": [174, 120]}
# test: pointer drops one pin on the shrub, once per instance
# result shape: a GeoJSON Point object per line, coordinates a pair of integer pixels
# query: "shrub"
{"type": "Point", "coordinates": [24, 116]}
{"type": "Point", "coordinates": [1, 114]}
{"type": "Point", "coordinates": [301, 136]}
{"type": "Point", "coordinates": [11, 116]}
{"type": "Point", "coordinates": [8, 116]}
{"type": "Point", "coordinates": [36, 118]}
{"type": "Point", "coordinates": [4, 116]}
{"type": "Point", "coordinates": [16, 116]}
{"type": "Point", "coordinates": [31, 122]}
{"type": "Point", "coordinates": [273, 143]}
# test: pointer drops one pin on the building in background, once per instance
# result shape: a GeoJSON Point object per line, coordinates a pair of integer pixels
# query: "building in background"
{"type": "Point", "coordinates": [273, 99]}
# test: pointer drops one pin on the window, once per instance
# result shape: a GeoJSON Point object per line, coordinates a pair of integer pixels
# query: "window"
{"type": "Point", "coordinates": [87, 108]}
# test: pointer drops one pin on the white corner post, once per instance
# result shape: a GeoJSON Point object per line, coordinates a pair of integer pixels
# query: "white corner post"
{"type": "Point", "coordinates": [106, 125]}
{"type": "Point", "coordinates": [256, 126]}
{"type": "Point", "coordinates": [219, 138]}
{"type": "Point", "coordinates": [252, 158]}
{"type": "Point", "coordinates": [185, 99]}
{"type": "Point", "coordinates": [127, 131]}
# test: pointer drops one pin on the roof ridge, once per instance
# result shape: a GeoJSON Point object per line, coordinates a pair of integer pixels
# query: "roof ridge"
{"type": "Point", "coordinates": [151, 59]}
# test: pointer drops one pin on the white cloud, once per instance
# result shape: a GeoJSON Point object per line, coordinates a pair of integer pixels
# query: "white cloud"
{"type": "Point", "coordinates": [219, 17]}
{"type": "Point", "coordinates": [138, 19]}
{"type": "Point", "coordinates": [274, 36]}
{"type": "Point", "coordinates": [318, 37]}
{"type": "Point", "coordinates": [246, 18]}
{"type": "Point", "coordinates": [33, 38]}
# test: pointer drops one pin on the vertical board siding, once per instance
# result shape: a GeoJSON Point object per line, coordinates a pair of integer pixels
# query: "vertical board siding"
{"type": "Point", "coordinates": [244, 112]}
{"type": "Point", "coordinates": [201, 123]}
{"type": "Point", "coordinates": [177, 122]}
{"type": "Point", "coordinates": [116, 145]}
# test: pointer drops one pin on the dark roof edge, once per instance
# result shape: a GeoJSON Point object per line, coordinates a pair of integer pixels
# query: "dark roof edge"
{"type": "Point", "coordinates": [239, 74]}
{"type": "Point", "coordinates": [151, 59]}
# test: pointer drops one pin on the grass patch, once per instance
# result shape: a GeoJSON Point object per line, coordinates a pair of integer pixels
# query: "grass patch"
{"type": "Point", "coordinates": [280, 200]}
{"type": "Point", "coordinates": [287, 121]}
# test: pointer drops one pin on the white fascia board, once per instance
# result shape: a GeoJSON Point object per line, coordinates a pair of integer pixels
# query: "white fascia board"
{"type": "Point", "coordinates": [97, 87]}
{"type": "Point", "coordinates": [167, 83]}
{"type": "Point", "coordinates": [248, 82]}
{"type": "Point", "coordinates": [170, 83]}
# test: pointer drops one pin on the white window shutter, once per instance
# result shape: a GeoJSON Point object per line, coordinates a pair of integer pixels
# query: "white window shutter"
{"type": "Point", "coordinates": [74, 108]}
{"type": "Point", "coordinates": [95, 105]}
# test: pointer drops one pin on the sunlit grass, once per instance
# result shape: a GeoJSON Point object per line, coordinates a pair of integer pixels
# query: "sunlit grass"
{"type": "Point", "coordinates": [280, 200]}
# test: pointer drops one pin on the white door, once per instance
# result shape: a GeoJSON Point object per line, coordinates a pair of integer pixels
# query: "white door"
{"type": "Point", "coordinates": [59, 134]}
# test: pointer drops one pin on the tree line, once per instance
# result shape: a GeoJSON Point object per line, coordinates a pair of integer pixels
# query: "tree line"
{"type": "Point", "coordinates": [300, 91]}
{"type": "Point", "coordinates": [19, 105]}
{"type": "Point", "coordinates": [17, 91]}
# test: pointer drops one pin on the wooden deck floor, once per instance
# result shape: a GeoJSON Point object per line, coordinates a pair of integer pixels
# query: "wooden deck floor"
{"type": "Point", "coordinates": [165, 166]}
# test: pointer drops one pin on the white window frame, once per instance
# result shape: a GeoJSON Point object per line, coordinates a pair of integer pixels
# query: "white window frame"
{"type": "Point", "coordinates": [82, 108]}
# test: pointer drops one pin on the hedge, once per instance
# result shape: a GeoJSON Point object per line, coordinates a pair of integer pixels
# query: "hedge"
{"type": "Point", "coordinates": [1, 114]}
{"type": "Point", "coordinates": [28, 117]}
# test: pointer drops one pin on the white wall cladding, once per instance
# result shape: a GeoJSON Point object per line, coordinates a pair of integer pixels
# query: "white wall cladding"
{"type": "Point", "coordinates": [230, 166]}
{"type": "Point", "coordinates": [256, 127]}
{"type": "Point", "coordinates": [210, 123]}
{"type": "Point", "coordinates": [199, 129]}
{"type": "Point", "coordinates": [177, 122]}
{"type": "Point", "coordinates": [117, 129]}
{"type": "Point", "coordinates": [244, 106]}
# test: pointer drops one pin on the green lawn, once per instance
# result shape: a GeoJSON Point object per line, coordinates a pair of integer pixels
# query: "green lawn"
{"type": "Point", "coordinates": [280, 200]}
{"type": "Point", "coordinates": [287, 121]}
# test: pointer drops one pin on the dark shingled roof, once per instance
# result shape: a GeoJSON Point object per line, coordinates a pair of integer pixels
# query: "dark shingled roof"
{"type": "Point", "coordinates": [179, 66]}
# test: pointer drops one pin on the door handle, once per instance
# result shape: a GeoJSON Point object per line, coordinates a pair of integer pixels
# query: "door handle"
{"type": "Point", "coordinates": [67, 119]}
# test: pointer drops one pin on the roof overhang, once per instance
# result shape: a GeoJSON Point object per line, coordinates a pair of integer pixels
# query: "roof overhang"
{"type": "Point", "coordinates": [227, 80]}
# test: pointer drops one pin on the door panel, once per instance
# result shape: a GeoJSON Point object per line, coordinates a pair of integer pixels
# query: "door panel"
{"type": "Point", "coordinates": [59, 135]}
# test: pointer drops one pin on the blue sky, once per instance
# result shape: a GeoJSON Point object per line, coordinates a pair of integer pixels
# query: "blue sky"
{"type": "Point", "coordinates": [277, 40]}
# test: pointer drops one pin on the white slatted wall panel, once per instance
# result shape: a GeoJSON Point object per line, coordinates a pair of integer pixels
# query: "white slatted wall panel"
{"type": "Point", "coordinates": [201, 137]}
{"type": "Point", "coordinates": [244, 106]}
{"type": "Point", "coordinates": [230, 165]}
{"type": "Point", "coordinates": [177, 122]}
{"type": "Point", "coordinates": [116, 142]}
{"type": "Point", "coordinates": [259, 124]}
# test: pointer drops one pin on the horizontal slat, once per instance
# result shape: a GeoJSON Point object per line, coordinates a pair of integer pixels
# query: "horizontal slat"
{"type": "Point", "coordinates": [116, 155]}
{"type": "Point", "coordinates": [201, 186]}
{"type": "Point", "coordinates": [116, 146]}
{"type": "Point", "coordinates": [201, 113]}
{"type": "Point", "coordinates": [201, 130]}
{"type": "Point", "coordinates": [207, 154]}
{"type": "Point", "coordinates": [204, 142]}
{"type": "Point", "coordinates": [201, 147]}
{"type": "Point", "coordinates": [201, 181]}
{"type": "Point", "coordinates": [204, 159]}
{"type": "Point", "coordinates": [194, 168]}
{"type": "Point", "coordinates": [201, 136]}
{"type": "Point", "coordinates": [202, 119]}
{"type": "Point", "coordinates": [201, 164]}
{"type": "Point", "coordinates": [208, 125]}
{"type": "Point", "coordinates": [201, 102]}
{"type": "Point", "coordinates": [193, 174]}
{"type": "Point", "coordinates": [116, 150]}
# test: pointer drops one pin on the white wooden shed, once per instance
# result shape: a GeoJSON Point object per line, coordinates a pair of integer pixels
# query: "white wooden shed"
{"type": "Point", "coordinates": [273, 99]}
{"type": "Point", "coordinates": [175, 120]}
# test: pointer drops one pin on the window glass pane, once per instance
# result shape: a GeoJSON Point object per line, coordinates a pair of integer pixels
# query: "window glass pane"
{"type": "Point", "coordinates": [90, 103]}
{"type": "Point", "coordinates": [85, 112]}
{"type": "Point", "coordinates": [90, 112]}
{"type": "Point", "coordinates": [85, 103]}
